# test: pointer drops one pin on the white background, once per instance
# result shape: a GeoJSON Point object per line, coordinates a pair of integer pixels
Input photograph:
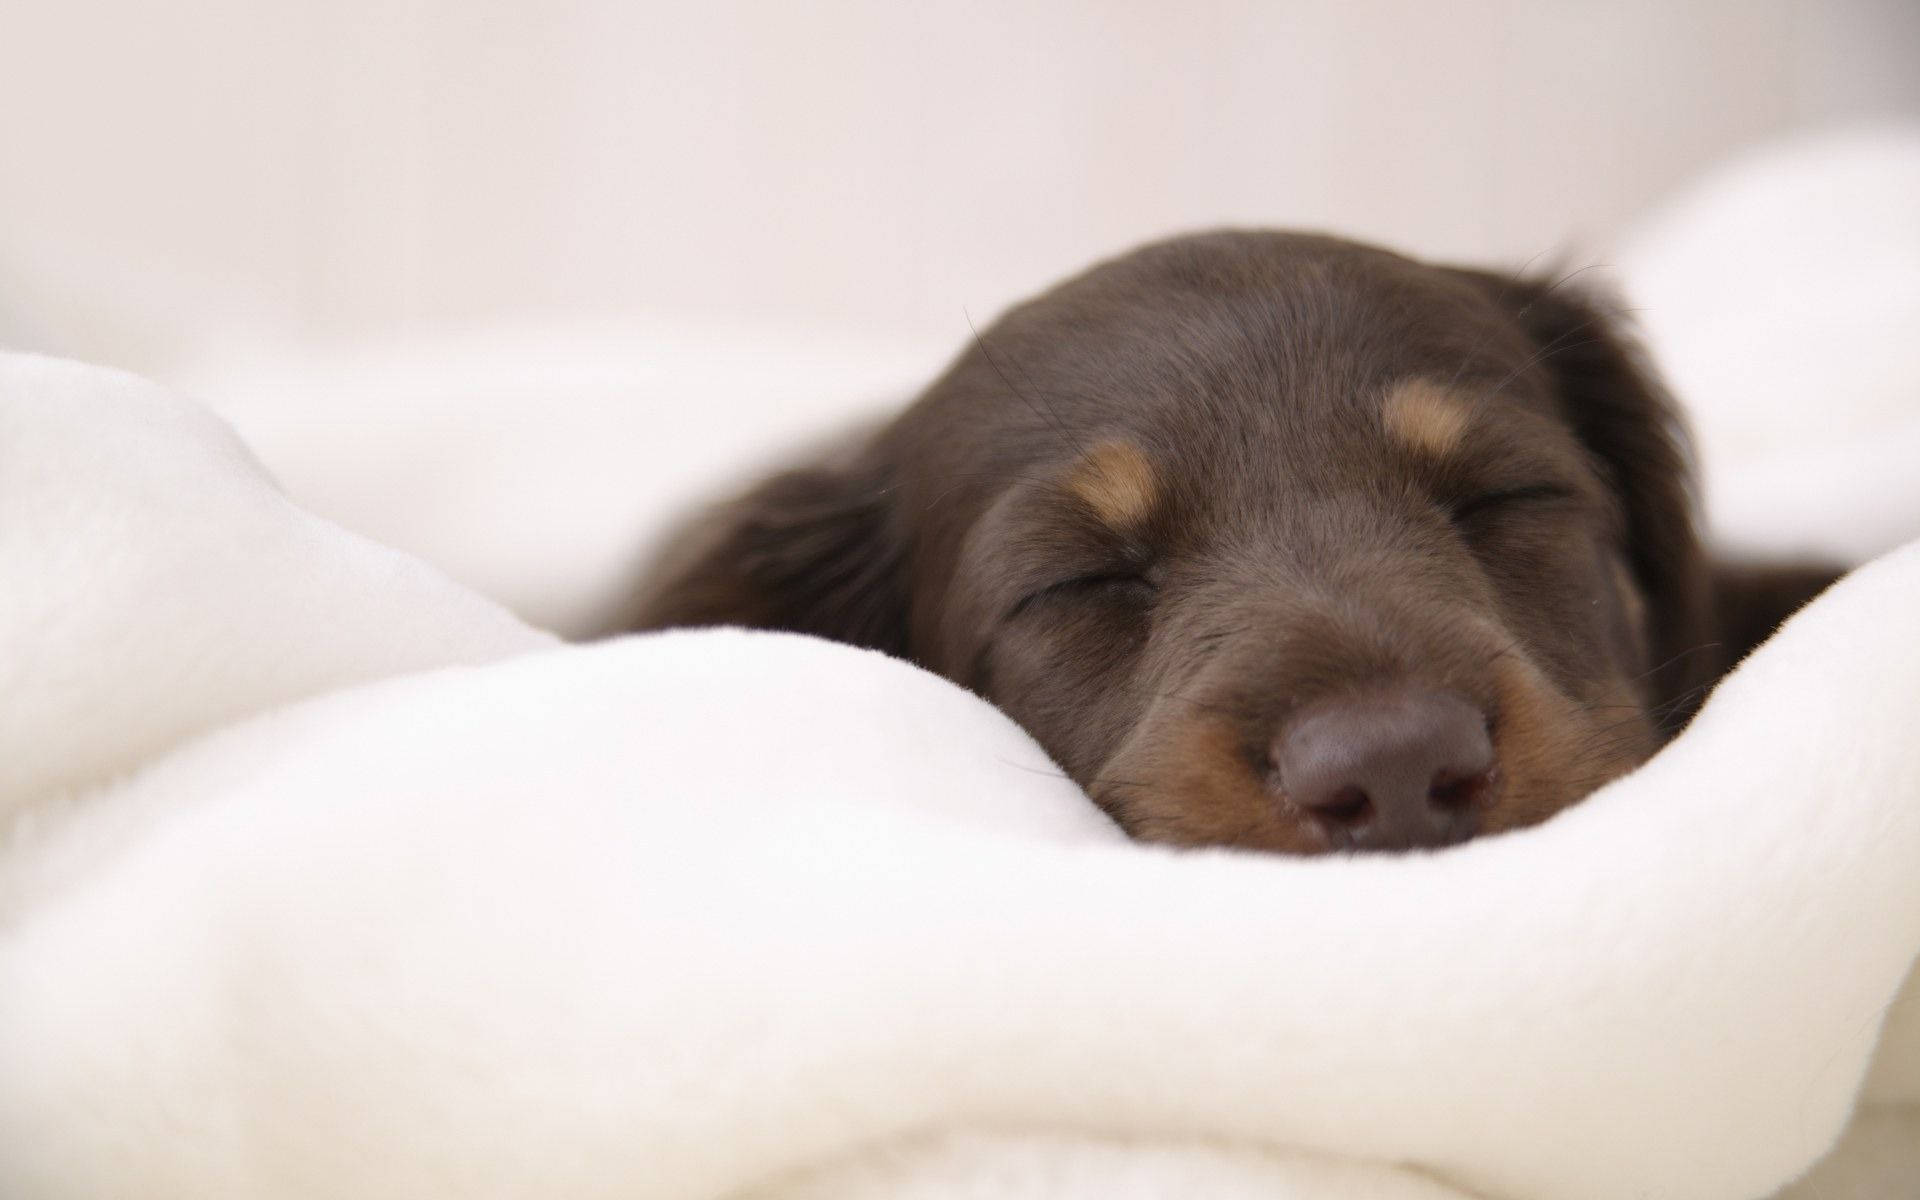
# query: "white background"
{"type": "Point", "coordinates": [179, 174]}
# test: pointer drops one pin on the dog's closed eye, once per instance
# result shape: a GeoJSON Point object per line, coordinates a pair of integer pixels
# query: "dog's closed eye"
{"type": "Point", "coordinates": [1129, 586]}
{"type": "Point", "coordinates": [1482, 505]}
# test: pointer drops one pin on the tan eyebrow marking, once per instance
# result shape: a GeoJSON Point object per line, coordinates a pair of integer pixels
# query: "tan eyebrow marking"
{"type": "Point", "coordinates": [1424, 416]}
{"type": "Point", "coordinates": [1115, 480]}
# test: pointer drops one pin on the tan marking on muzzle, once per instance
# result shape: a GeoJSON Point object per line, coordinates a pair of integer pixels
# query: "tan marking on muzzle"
{"type": "Point", "coordinates": [1553, 751]}
{"type": "Point", "coordinates": [1115, 480]}
{"type": "Point", "coordinates": [1423, 416]}
{"type": "Point", "coordinates": [1187, 783]}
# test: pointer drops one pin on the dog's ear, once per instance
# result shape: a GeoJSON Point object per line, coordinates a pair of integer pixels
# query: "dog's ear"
{"type": "Point", "coordinates": [814, 550]}
{"type": "Point", "coordinates": [1620, 409]}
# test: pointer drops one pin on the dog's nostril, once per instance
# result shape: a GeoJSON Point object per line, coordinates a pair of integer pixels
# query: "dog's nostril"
{"type": "Point", "coordinates": [1347, 808]}
{"type": "Point", "coordinates": [1391, 769]}
{"type": "Point", "coordinates": [1455, 792]}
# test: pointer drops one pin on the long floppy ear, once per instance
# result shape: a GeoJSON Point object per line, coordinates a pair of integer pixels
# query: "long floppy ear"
{"type": "Point", "coordinates": [814, 550]}
{"type": "Point", "coordinates": [1622, 412]}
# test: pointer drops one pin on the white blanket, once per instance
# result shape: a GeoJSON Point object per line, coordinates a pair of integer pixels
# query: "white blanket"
{"type": "Point", "coordinates": [702, 914]}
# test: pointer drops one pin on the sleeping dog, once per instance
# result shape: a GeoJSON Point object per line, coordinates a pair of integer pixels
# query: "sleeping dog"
{"type": "Point", "coordinates": [1276, 541]}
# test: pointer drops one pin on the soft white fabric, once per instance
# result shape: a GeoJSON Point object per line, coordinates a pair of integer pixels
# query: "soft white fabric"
{"type": "Point", "coordinates": [1781, 296]}
{"type": "Point", "coordinates": [537, 464]}
{"type": "Point", "coordinates": [712, 913]}
{"type": "Point", "coordinates": [123, 511]}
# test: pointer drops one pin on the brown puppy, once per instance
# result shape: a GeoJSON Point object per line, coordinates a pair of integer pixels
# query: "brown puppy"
{"type": "Point", "coordinates": [1273, 540]}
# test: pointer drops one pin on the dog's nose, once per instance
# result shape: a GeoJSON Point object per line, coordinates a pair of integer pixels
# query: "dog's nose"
{"type": "Point", "coordinates": [1389, 770]}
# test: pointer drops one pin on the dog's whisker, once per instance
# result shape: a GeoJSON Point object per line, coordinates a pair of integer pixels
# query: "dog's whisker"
{"type": "Point", "coordinates": [971, 477]}
{"type": "Point", "coordinates": [1098, 781]}
{"type": "Point", "coordinates": [1046, 413]}
{"type": "Point", "coordinates": [1507, 286]}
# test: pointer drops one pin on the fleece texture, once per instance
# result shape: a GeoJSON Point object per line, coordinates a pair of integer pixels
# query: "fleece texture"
{"type": "Point", "coordinates": [324, 877]}
{"type": "Point", "coordinates": [1780, 295]}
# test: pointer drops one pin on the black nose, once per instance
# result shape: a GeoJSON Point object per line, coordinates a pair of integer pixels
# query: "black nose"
{"type": "Point", "coordinates": [1389, 770]}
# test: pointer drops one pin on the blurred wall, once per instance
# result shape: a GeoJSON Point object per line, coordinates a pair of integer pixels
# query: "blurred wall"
{"type": "Point", "coordinates": [175, 173]}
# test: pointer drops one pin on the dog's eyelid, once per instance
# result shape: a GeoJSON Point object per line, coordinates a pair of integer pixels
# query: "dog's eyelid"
{"type": "Point", "coordinates": [1499, 498]}
{"type": "Point", "coordinates": [1144, 576]}
{"type": "Point", "coordinates": [1118, 576]}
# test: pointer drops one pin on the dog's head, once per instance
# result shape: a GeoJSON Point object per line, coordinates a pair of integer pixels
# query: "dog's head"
{"type": "Point", "coordinates": [1271, 540]}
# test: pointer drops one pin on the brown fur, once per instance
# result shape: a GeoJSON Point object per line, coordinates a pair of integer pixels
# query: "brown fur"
{"type": "Point", "coordinates": [1176, 500]}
